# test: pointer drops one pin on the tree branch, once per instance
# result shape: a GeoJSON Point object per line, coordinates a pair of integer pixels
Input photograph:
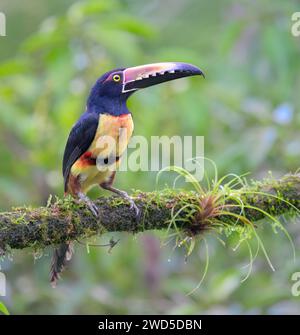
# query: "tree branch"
{"type": "Point", "coordinates": [66, 219]}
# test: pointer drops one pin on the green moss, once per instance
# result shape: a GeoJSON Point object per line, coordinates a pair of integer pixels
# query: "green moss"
{"type": "Point", "coordinates": [184, 215]}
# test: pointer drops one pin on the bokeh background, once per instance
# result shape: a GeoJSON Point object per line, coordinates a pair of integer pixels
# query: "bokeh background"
{"type": "Point", "coordinates": [247, 109]}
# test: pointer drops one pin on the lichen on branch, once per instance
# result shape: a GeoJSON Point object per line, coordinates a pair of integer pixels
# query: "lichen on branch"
{"type": "Point", "coordinates": [194, 213]}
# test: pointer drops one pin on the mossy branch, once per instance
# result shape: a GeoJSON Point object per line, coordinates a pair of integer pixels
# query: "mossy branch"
{"type": "Point", "coordinates": [66, 219]}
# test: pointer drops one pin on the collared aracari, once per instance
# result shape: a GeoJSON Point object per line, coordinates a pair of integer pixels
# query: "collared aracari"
{"type": "Point", "coordinates": [106, 114]}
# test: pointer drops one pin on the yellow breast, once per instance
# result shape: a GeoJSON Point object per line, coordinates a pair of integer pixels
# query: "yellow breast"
{"type": "Point", "coordinates": [111, 140]}
{"type": "Point", "coordinates": [112, 136]}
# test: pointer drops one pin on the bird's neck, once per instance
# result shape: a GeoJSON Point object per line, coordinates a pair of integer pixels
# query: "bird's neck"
{"type": "Point", "coordinates": [106, 105]}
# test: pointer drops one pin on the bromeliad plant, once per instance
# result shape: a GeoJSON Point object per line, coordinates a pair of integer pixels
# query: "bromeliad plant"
{"type": "Point", "coordinates": [226, 206]}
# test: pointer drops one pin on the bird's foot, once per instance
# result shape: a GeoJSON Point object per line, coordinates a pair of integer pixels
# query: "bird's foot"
{"type": "Point", "coordinates": [92, 207]}
{"type": "Point", "coordinates": [135, 207]}
{"type": "Point", "coordinates": [132, 204]}
{"type": "Point", "coordinates": [124, 195]}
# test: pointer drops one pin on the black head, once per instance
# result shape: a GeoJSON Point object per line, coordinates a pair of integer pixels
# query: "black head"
{"type": "Point", "coordinates": [111, 91]}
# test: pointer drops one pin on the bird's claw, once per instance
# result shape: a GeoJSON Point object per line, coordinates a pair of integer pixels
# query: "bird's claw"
{"type": "Point", "coordinates": [124, 195]}
{"type": "Point", "coordinates": [135, 207]}
{"type": "Point", "coordinates": [93, 208]}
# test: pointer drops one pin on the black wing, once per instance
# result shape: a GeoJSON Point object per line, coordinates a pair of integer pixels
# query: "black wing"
{"type": "Point", "coordinates": [80, 138]}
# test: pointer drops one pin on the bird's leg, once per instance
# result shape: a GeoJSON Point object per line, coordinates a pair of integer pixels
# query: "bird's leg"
{"type": "Point", "coordinates": [108, 186]}
{"type": "Point", "coordinates": [84, 198]}
{"type": "Point", "coordinates": [74, 188]}
{"type": "Point", "coordinates": [124, 195]}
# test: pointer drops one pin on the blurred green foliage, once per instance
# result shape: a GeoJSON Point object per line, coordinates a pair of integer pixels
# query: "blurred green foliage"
{"type": "Point", "coordinates": [247, 109]}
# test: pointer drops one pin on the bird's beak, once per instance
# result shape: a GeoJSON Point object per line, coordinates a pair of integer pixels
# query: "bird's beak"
{"type": "Point", "coordinates": [138, 77]}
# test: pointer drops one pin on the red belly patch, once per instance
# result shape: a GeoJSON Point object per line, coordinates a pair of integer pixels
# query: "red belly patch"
{"type": "Point", "coordinates": [87, 159]}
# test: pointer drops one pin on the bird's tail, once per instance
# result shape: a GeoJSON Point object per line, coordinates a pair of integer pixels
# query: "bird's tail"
{"type": "Point", "coordinates": [61, 256]}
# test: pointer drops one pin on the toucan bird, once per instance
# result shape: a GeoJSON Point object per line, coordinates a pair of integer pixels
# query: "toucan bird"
{"type": "Point", "coordinates": [87, 158]}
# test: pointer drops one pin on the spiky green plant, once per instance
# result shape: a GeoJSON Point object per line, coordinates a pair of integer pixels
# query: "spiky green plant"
{"type": "Point", "coordinates": [217, 197]}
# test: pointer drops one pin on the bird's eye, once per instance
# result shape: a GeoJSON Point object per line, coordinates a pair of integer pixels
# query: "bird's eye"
{"type": "Point", "coordinates": [116, 78]}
